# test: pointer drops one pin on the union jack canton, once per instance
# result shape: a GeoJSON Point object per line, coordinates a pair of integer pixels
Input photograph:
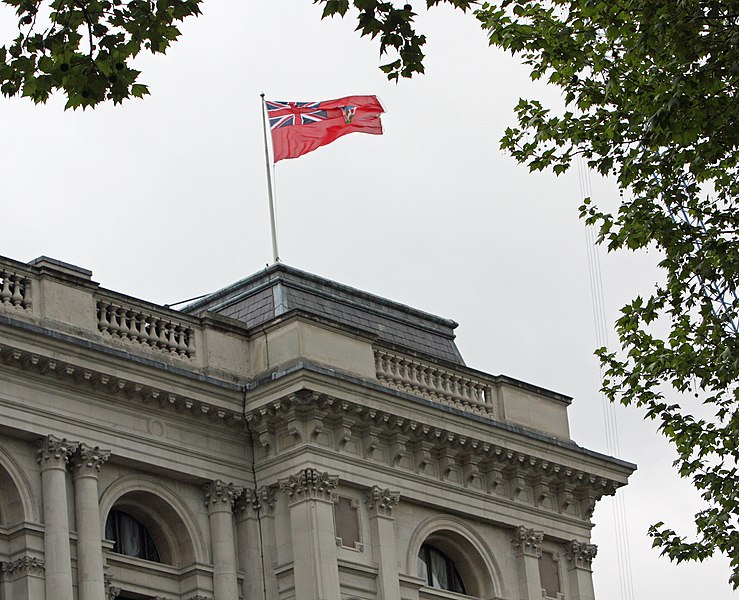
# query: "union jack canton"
{"type": "Point", "coordinates": [285, 114]}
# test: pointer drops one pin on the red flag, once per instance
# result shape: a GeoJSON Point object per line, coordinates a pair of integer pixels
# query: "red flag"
{"type": "Point", "coordinates": [299, 127]}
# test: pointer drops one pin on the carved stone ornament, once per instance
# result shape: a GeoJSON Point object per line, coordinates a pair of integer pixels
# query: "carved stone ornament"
{"type": "Point", "coordinates": [252, 501]}
{"type": "Point", "coordinates": [381, 502]}
{"type": "Point", "coordinates": [21, 567]}
{"type": "Point", "coordinates": [111, 592]}
{"type": "Point", "coordinates": [581, 554]}
{"type": "Point", "coordinates": [54, 452]}
{"type": "Point", "coordinates": [200, 597]}
{"type": "Point", "coordinates": [310, 483]}
{"type": "Point", "coordinates": [527, 541]}
{"type": "Point", "coordinates": [220, 496]}
{"type": "Point", "coordinates": [88, 460]}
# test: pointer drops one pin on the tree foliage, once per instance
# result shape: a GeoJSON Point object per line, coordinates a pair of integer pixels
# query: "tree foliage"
{"type": "Point", "coordinates": [84, 47]}
{"type": "Point", "coordinates": [650, 88]}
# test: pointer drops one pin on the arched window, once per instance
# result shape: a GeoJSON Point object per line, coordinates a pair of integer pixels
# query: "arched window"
{"type": "Point", "coordinates": [439, 570]}
{"type": "Point", "coordinates": [131, 537]}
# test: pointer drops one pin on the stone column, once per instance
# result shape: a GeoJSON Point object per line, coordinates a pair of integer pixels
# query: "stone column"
{"type": "Point", "coordinates": [255, 531]}
{"type": "Point", "coordinates": [86, 464]}
{"type": "Point", "coordinates": [580, 557]}
{"type": "Point", "coordinates": [527, 544]}
{"type": "Point", "coordinates": [315, 561]}
{"type": "Point", "coordinates": [53, 455]}
{"type": "Point", "coordinates": [219, 498]}
{"type": "Point", "coordinates": [380, 504]}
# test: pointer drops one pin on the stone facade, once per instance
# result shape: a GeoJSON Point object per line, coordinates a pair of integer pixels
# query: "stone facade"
{"type": "Point", "coordinates": [286, 437]}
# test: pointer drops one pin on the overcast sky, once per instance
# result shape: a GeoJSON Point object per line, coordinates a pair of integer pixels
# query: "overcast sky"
{"type": "Point", "coordinates": [165, 199]}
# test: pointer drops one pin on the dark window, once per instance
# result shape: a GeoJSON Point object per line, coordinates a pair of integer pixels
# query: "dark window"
{"type": "Point", "coordinates": [549, 573]}
{"type": "Point", "coordinates": [131, 537]}
{"type": "Point", "coordinates": [438, 570]}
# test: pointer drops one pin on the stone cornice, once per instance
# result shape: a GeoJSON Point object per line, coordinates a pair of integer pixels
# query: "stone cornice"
{"type": "Point", "coordinates": [99, 381]}
{"type": "Point", "coordinates": [376, 435]}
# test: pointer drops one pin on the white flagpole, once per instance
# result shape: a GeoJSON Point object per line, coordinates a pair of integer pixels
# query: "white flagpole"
{"type": "Point", "coordinates": [275, 254]}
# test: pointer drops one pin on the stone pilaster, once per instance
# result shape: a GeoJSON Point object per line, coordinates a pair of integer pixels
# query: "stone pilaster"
{"type": "Point", "coordinates": [580, 557]}
{"type": "Point", "coordinates": [380, 503]}
{"type": "Point", "coordinates": [315, 565]}
{"type": "Point", "coordinates": [527, 546]}
{"type": "Point", "coordinates": [53, 456]}
{"type": "Point", "coordinates": [255, 523]}
{"type": "Point", "coordinates": [86, 464]}
{"type": "Point", "coordinates": [23, 578]}
{"type": "Point", "coordinates": [219, 499]}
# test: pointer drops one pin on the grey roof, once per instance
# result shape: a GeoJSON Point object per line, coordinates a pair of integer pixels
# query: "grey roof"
{"type": "Point", "coordinates": [279, 289]}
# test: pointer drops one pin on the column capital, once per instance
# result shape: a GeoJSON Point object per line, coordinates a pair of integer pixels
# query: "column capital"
{"type": "Point", "coordinates": [220, 496]}
{"type": "Point", "coordinates": [21, 567]}
{"type": "Point", "coordinates": [580, 555]}
{"type": "Point", "coordinates": [527, 542]}
{"type": "Point", "coordinates": [380, 502]}
{"type": "Point", "coordinates": [87, 460]}
{"type": "Point", "coordinates": [53, 452]}
{"type": "Point", "coordinates": [252, 501]}
{"type": "Point", "coordinates": [308, 484]}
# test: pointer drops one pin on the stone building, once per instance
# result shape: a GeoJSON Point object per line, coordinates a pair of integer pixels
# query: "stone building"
{"type": "Point", "coordinates": [285, 437]}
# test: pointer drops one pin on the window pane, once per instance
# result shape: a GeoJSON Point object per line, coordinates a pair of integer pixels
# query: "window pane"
{"type": "Point", "coordinates": [131, 537]}
{"type": "Point", "coordinates": [439, 574]}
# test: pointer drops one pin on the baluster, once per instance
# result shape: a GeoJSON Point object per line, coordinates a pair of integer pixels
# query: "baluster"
{"type": "Point", "coordinates": [27, 295]}
{"type": "Point", "coordinates": [171, 338]}
{"type": "Point", "coordinates": [5, 292]}
{"type": "Point", "coordinates": [103, 323]}
{"type": "Point", "coordinates": [162, 333]}
{"type": "Point", "coordinates": [404, 370]}
{"type": "Point", "coordinates": [112, 319]}
{"type": "Point", "coordinates": [122, 325]}
{"type": "Point", "coordinates": [130, 317]}
{"type": "Point", "coordinates": [151, 334]}
{"type": "Point", "coordinates": [190, 342]}
{"type": "Point", "coordinates": [181, 345]}
{"type": "Point", "coordinates": [138, 321]}
{"type": "Point", "coordinates": [415, 377]}
{"type": "Point", "coordinates": [17, 297]}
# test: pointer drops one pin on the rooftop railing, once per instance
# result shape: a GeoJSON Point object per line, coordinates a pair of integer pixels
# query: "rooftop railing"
{"type": "Point", "coordinates": [451, 387]}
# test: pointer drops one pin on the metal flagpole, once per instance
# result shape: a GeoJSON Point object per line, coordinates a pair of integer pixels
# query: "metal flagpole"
{"type": "Point", "coordinates": [275, 254]}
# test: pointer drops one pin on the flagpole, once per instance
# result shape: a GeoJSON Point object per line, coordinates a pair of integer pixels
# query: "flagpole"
{"type": "Point", "coordinates": [275, 254]}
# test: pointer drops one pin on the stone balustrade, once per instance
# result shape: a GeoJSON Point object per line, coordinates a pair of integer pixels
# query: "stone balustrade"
{"type": "Point", "coordinates": [15, 289]}
{"type": "Point", "coordinates": [445, 386]}
{"type": "Point", "coordinates": [145, 327]}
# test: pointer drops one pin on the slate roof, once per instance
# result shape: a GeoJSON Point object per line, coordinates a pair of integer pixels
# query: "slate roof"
{"type": "Point", "coordinates": [280, 288]}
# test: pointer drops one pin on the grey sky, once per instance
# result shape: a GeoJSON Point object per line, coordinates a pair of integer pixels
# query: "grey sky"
{"type": "Point", "coordinates": [165, 199]}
